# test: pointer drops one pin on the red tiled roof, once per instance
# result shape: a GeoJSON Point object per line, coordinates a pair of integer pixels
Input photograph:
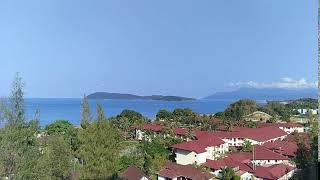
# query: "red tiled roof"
{"type": "Point", "coordinates": [224, 162]}
{"type": "Point", "coordinates": [273, 172]}
{"type": "Point", "coordinates": [260, 153]}
{"type": "Point", "coordinates": [173, 170]}
{"type": "Point", "coordinates": [180, 131]}
{"type": "Point", "coordinates": [282, 147]}
{"type": "Point", "coordinates": [132, 173]}
{"type": "Point", "coordinates": [263, 134]}
{"type": "Point", "coordinates": [258, 134]}
{"type": "Point", "coordinates": [199, 146]}
{"type": "Point", "coordinates": [287, 125]}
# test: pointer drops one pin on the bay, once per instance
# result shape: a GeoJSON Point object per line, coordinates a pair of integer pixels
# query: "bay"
{"type": "Point", "coordinates": [52, 109]}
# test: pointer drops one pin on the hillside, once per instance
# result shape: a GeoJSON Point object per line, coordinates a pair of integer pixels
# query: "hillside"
{"type": "Point", "coordinates": [265, 94]}
{"type": "Point", "coordinates": [106, 95]}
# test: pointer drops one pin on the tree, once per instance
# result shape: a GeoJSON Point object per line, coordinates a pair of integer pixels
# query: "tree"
{"type": "Point", "coordinates": [227, 173]}
{"type": "Point", "coordinates": [228, 125]}
{"type": "Point", "coordinates": [303, 156]}
{"type": "Point", "coordinates": [247, 146]}
{"type": "Point", "coordinates": [163, 114]}
{"type": "Point", "coordinates": [190, 134]}
{"type": "Point", "coordinates": [99, 150]}
{"type": "Point", "coordinates": [65, 129]}
{"type": "Point", "coordinates": [184, 115]}
{"type": "Point", "coordinates": [86, 117]}
{"type": "Point", "coordinates": [240, 108]}
{"type": "Point", "coordinates": [133, 116]}
{"type": "Point", "coordinates": [18, 146]}
{"type": "Point", "coordinates": [55, 161]}
{"type": "Point", "coordinates": [100, 113]}
{"type": "Point", "coordinates": [156, 154]}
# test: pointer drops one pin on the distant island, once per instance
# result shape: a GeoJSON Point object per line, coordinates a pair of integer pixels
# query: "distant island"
{"type": "Point", "coordinates": [265, 94]}
{"type": "Point", "coordinates": [106, 95]}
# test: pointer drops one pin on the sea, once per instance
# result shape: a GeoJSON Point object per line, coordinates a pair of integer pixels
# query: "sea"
{"type": "Point", "coordinates": [70, 108]}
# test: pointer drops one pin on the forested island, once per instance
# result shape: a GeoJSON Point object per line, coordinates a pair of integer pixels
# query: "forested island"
{"type": "Point", "coordinates": [106, 95]}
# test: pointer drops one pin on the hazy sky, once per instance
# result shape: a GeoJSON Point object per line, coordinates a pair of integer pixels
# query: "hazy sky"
{"type": "Point", "coordinates": [65, 48]}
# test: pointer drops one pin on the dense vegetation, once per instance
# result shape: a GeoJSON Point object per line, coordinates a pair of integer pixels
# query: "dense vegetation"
{"type": "Point", "coordinates": [103, 147]}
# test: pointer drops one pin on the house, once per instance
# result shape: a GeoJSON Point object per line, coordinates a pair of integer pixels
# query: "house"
{"type": "Point", "coordinates": [140, 132]}
{"type": "Point", "coordinates": [284, 148]}
{"type": "Point", "coordinates": [257, 116]}
{"type": "Point", "coordinates": [133, 173]}
{"type": "Point", "coordinates": [287, 127]}
{"type": "Point", "coordinates": [246, 170]}
{"type": "Point", "coordinates": [157, 129]}
{"type": "Point", "coordinates": [274, 172]}
{"type": "Point", "coordinates": [259, 156]}
{"type": "Point", "coordinates": [173, 171]}
{"type": "Point", "coordinates": [197, 151]}
{"type": "Point", "coordinates": [306, 111]}
{"type": "Point", "coordinates": [237, 137]}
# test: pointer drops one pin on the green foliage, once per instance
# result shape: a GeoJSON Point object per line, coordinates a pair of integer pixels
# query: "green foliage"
{"type": "Point", "coordinates": [163, 114]}
{"type": "Point", "coordinates": [184, 115]}
{"type": "Point", "coordinates": [272, 120]}
{"type": "Point", "coordinates": [19, 150]}
{"type": "Point", "coordinates": [100, 113]}
{"type": "Point", "coordinates": [131, 153]}
{"type": "Point", "coordinates": [306, 103]}
{"type": "Point", "coordinates": [228, 125]}
{"type": "Point", "coordinates": [86, 117]}
{"type": "Point", "coordinates": [190, 135]}
{"type": "Point", "coordinates": [156, 154]}
{"type": "Point", "coordinates": [247, 146]}
{"type": "Point", "coordinates": [99, 150]}
{"type": "Point", "coordinates": [227, 173]}
{"type": "Point", "coordinates": [303, 156]}
{"type": "Point", "coordinates": [55, 161]}
{"type": "Point", "coordinates": [66, 129]}
{"type": "Point", "coordinates": [133, 116]}
{"type": "Point", "coordinates": [240, 108]}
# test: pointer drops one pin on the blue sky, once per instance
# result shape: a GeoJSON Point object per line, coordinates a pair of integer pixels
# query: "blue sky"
{"type": "Point", "coordinates": [192, 48]}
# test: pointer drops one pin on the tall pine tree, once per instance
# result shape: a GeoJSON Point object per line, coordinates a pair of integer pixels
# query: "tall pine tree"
{"type": "Point", "coordinates": [86, 117]}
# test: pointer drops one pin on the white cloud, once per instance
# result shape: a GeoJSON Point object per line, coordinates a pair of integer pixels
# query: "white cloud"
{"type": "Point", "coordinates": [284, 83]}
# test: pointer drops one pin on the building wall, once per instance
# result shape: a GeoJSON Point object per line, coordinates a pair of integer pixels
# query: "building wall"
{"type": "Point", "coordinates": [217, 151]}
{"type": "Point", "coordinates": [292, 129]}
{"type": "Point", "coordinates": [234, 141]}
{"type": "Point", "coordinates": [270, 162]}
{"type": "Point", "coordinates": [163, 178]}
{"type": "Point", "coordinates": [186, 157]}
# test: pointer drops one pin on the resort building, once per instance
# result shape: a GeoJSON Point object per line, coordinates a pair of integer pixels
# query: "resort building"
{"type": "Point", "coordinates": [198, 151]}
{"type": "Point", "coordinates": [238, 136]}
{"type": "Point", "coordinates": [284, 148]}
{"type": "Point", "coordinates": [173, 171]}
{"type": "Point", "coordinates": [133, 173]}
{"type": "Point", "coordinates": [287, 127]}
{"type": "Point", "coordinates": [262, 164]}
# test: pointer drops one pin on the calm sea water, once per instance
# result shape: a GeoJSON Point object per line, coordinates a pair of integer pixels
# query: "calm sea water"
{"type": "Point", "coordinates": [69, 109]}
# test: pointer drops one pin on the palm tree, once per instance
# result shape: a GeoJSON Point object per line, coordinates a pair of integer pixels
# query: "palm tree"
{"type": "Point", "coordinates": [227, 173]}
{"type": "Point", "coordinates": [190, 134]}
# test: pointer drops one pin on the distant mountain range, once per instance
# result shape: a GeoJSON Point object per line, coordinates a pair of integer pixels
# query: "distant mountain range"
{"type": "Point", "coordinates": [265, 94]}
{"type": "Point", "coordinates": [106, 95]}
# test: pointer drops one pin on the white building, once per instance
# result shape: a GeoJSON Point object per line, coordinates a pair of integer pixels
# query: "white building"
{"type": "Point", "coordinates": [198, 151]}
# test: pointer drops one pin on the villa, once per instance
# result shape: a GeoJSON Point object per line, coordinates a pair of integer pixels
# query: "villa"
{"type": "Point", "coordinates": [198, 151]}
{"type": "Point", "coordinates": [173, 171]}
{"type": "Point", "coordinates": [287, 127]}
